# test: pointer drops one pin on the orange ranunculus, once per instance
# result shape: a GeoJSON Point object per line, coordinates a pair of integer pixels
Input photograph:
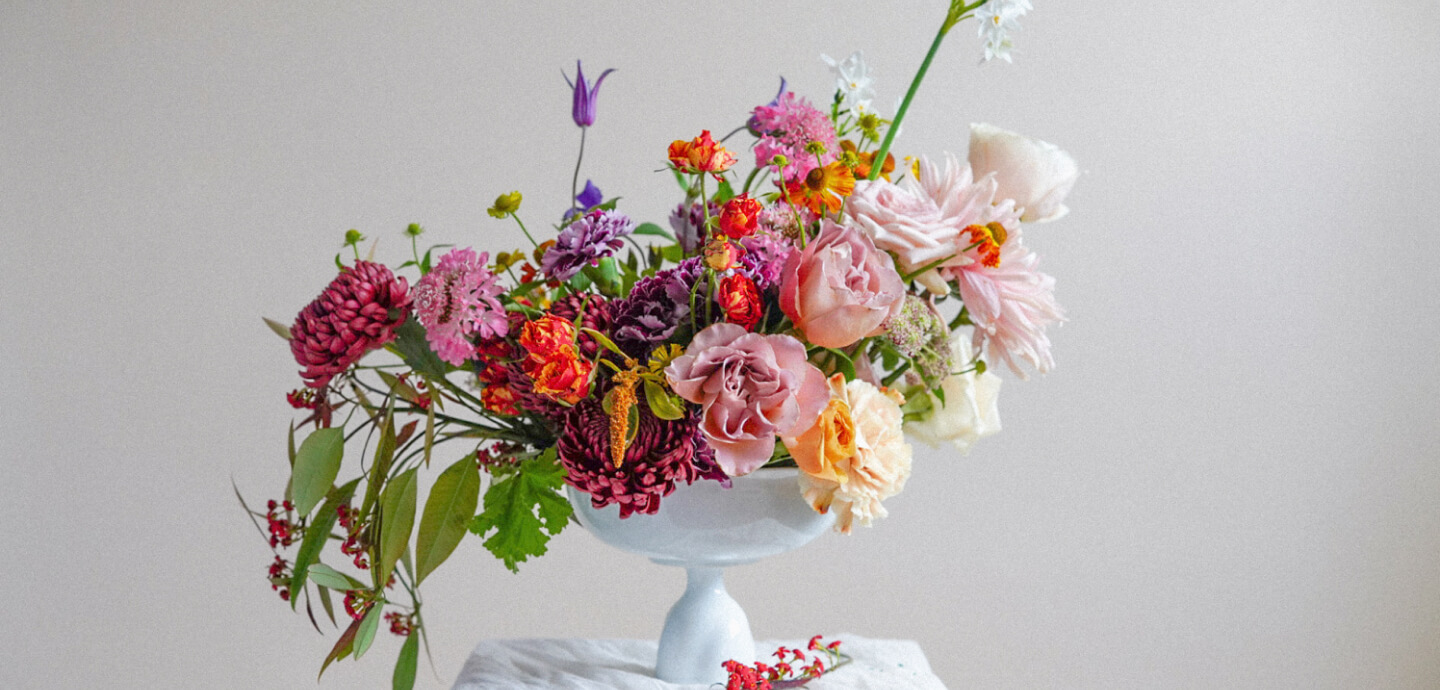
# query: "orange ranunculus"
{"type": "Point", "coordinates": [740, 216]}
{"type": "Point", "coordinates": [545, 337]}
{"type": "Point", "coordinates": [564, 377]}
{"type": "Point", "coordinates": [822, 188]}
{"type": "Point", "coordinates": [700, 155]}
{"type": "Point", "coordinates": [740, 299]}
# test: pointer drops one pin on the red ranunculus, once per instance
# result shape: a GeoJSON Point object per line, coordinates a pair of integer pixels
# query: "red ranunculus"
{"type": "Point", "coordinates": [741, 301]}
{"type": "Point", "coordinates": [740, 216]}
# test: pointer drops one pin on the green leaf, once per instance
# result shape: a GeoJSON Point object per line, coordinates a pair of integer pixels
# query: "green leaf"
{"type": "Point", "coordinates": [384, 455]}
{"type": "Point", "coordinates": [723, 191]}
{"type": "Point", "coordinates": [325, 576]}
{"type": "Point", "coordinates": [662, 404]}
{"type": "Point", "coordinates": [842, 360]}
{"type": "Point", "coordinates": [316, 534]}
{"type": "Point", "coordinates": [342, 647]}
{"type": "Point", "coordinates": [673, 253]}
{"type": "Point", "coordinates": [316, 465]}
{"type": "Point", "coordinates": [524, 509]}
{"type": "Point", "coordinates": [449, 508]}
{"type": "Point", "coordinates": [280, 329]}
{"type": "Point", "coordinates": [397, 521]}
{"type": "Point", "coordinates": [366, 633]}
{"type": "Point", "coordinates": [404, 678]}
{"type": "Point", "coordinates": [654, 231]}
{"type": "Point", "coordinates": [414, 349]}
{"type": "Point", "coordinates": [324, 593]}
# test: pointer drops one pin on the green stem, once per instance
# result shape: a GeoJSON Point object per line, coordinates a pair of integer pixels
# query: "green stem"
{"type": "Point", "coordinates": [957, 12]}
{"type": "Point", "coordinates": [522, 229]}
{"type": "Point", "coordinates": [575, 179]}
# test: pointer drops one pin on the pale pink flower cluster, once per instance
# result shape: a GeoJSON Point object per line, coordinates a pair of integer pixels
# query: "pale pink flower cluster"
{"type": "Point", "coordinates": [456, 302]}
{"type": "Point", "coordinates": [786, 128]}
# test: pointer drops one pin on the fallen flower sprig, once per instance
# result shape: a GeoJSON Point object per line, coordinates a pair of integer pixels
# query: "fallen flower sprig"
{"type": "Point", "coordinates": [792, 668]}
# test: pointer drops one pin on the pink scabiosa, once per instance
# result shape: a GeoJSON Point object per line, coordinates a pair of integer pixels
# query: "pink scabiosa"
{"type": "Point", "coordinates": [456, 303]}
{"type": "Point", "coordinates": [786, 128]}
{"type": "Point", "coordinates": [592, 237]}
{"type": "Point", "coordinates": [662, 454]}
{"type": "Point", "coordinates": [358, 312]}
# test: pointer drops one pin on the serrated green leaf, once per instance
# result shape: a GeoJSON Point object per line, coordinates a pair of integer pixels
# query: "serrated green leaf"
{"type": "Point", "coordinates": [316, 534]}
{"type": "Point", "coordinates": [654, 231]}
{"type": "Point", "coordinates": [414, 349]}
{"type": "Point", "coordinates": [524, 509]}
{"type": "Point", "coordinates": [366, 633]}
{"type": "Point", "coordinates": [662, 404]}
{"type": "Point", "coordinates": [325, 576]}
{"type": "Point", "coordinates": [280, 329]}
{"type": "Point", "coordinates": [397, 521]}
{"type": "Point", "coordinates": [448, 509]}
{"type": "Point", "coordinates": [405, 665]}
{"type": "Point", "coordinates": [316, 465]}
{"type": "Point", "coordinates": [342, 647]}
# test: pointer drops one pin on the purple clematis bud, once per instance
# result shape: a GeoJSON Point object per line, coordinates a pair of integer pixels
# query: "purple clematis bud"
{"type": "Point", "coordinates": [583, 108]}
{"type": "Point", "coordinates": [587, 199]}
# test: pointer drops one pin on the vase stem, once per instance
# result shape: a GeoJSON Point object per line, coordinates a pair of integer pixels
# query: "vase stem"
{"type": "Point", "coordinates": [704, 629]}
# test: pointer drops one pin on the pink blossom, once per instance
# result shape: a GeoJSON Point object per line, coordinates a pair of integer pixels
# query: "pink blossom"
{"type": "Point", "coordinates": [786, 128]}
{"type": "Point", "coordinates": [751, 387]}
{"type": "Point", "coordinates": [840, 288]}
{"type": "Point", "coordinates": [1011, 304]}
{"type": "Point", "coordinates": [456, 302]}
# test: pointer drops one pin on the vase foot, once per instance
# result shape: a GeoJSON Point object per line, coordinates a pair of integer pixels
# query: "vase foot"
{"type": "Point", "coordinates": [703, 630]}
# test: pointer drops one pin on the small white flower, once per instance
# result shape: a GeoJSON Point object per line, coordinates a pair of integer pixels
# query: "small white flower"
{"type": "Point", "coordinates": [852, 79]}
{"type": "Point", "coordinates": [997, 19]}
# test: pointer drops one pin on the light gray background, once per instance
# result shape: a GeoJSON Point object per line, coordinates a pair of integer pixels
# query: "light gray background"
{"type": "Point", "coordinates": [1229, 482]}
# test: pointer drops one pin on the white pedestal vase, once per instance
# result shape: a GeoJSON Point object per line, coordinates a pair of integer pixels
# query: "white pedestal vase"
{"type": "Point", "coordinates": [704, 528]}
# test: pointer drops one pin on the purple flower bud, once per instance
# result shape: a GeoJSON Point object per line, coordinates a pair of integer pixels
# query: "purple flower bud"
{"type": "Point", "coordinates": [583, 108]}
{"type": "Point", "coordinates": [588, 198]}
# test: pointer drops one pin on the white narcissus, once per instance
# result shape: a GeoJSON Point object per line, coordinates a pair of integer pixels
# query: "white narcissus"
{"type": "Point", "coordinates": [969, 412]}
{"type": "Point", "coordinates": [1036, 174]}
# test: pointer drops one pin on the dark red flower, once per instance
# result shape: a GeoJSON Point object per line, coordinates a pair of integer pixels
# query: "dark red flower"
{"type": "Point", "coordinates": [358, 312]}
{"type": "Point", "coordinates": [741, 301]}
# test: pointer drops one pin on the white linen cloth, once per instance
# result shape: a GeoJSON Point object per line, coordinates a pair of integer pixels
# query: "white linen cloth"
{"type": "Point", "coordinates": [573, 664]}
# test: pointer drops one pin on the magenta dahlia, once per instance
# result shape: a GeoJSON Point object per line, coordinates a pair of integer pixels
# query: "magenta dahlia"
{"type": "Point", "coordinates": [358, 312]}
{"type": "Point", "coordinates": [662, 454]}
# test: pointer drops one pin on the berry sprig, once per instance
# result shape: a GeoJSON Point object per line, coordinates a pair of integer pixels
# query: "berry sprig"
{"type": "Point", "coordinates": [792, 668]}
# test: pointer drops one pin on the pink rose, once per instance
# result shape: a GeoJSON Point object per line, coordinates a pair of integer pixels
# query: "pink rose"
{"type": "Point", "coordinates": [752, 387]}
{"type": "Point", "coordinates": [840, 288]}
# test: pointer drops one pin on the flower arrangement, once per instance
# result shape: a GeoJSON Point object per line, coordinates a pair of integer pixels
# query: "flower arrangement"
{"type": "Point", "coordinates": [816, 311]}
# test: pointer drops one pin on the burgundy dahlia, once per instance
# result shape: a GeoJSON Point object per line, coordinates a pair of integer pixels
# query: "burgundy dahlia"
{"type": "Point", "coordinates": [663, 453]}
{"type": "Point", "coordinates": [358, 312]}
{"type": "Point", "coordinates": [596, 310]}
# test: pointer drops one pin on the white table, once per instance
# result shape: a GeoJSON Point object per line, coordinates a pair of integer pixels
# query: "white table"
{"type": "Point", "coordinates": [572, 664]}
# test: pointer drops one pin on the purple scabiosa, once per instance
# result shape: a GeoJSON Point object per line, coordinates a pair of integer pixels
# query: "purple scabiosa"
{"type": "Point", "coordinates": [582, 108]}
{"type": "Point", "coordinates": [358, 312]}
{"type": "Point", "coordinates": [456, 302]}
{"type": "Point", "coordinates": [688, 222]}
{"type": "Point", "coordinates": [591, 237]}
{"type": "Point", "coordinates": [662, 454]}
{"type": "Point", "coordinates": [787, 128]}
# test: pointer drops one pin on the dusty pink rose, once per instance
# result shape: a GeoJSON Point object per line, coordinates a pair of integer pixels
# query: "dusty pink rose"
{"type": "Point", "coordinates": [751, 387]}
{"type": "Point", "coordinates": [840, 288]}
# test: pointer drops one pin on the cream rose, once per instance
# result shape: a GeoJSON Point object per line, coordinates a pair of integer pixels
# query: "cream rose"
{"type": "Point", "coordinates": [969, 412]}
{"type": "Point", "coordinates": [1036, 174]}
{"type": "Point", "coordinates": [855, 455]}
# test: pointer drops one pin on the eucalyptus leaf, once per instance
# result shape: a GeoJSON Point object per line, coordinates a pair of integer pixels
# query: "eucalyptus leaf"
{"type": "Point", "coordinates": [280, 329]}
{"type": "Point", "coordinates": [397, 516]}
{"type": "Point", "coordinates": [366, 634]}
{"type": "Point", "coordinates": [316, 534]}
{"type": "Point", "coordinates": [448, 510]}
{"type": "Point", "coordinates": [316, 465]}
{"type": "Point", "coordinates": [405, 665]}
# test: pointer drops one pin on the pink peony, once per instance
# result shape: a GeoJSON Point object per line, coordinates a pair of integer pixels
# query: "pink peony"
{"type": "Point", "coordinates": [358, 312]}
{"type": "Point", "coordinates": [840, 288]}
{"type": "Point", "coordinates": [457, 301]}
{"type": "Point", "coordinates": [751, 387]}
{"type": "Point", "coordinates": [1011, 304]}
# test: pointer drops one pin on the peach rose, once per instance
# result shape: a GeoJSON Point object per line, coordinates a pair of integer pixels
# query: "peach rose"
{"type": "Point", "coordinates": [752, 387]}
{"type": "Point", "coordinates": [840, 288]}
{"type": "Point", "coordinates": [855, 455]}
